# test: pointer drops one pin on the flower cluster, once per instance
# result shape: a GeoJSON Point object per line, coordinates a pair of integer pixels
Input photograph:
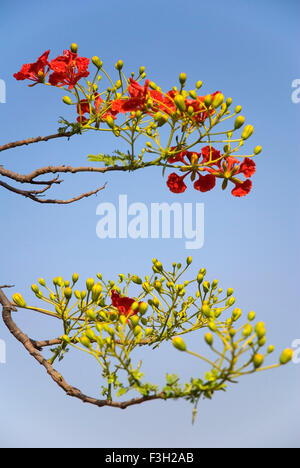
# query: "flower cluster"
{"type": "Point", "coordinates": [214, 165]}
{"type": "Point", "coordinates": [65, 70]}
{"type": "Point", "coordinates": [105, 322]}
{"type": "Point", "coordinates": [134, 108]}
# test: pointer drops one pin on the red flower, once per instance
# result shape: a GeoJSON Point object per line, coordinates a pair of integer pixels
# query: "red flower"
{"type": "Point", "coordinates": [226, 168]}
{"type": "Point", "coordinates": [123, 304]}
{"type": "Point", "coordinates": [192, 160]}
{"type": "Point", "coordinates": [34, 71]}
{"type": "Point", "coordinates": [231, 167]}
{"type": "Point", "coordinates": [176, 183]}
{"type": "Point", "coordinates": [68, 69]}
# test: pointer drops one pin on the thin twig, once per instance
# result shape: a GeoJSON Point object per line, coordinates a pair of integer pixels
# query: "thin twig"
{"type": "Point", "coordinates": [29, 141]}
{"type": "Point", "coordinates": [35, 194]}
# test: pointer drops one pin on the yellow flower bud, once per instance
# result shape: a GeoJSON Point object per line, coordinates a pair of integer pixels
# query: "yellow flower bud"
{"type": "Point", "coordinates": [97, 62]}
{"type": "Point", "coordinates": [18, 300]}
{"type": "Point", "coordinates": [218, 100]}
{"type": "Point", "coordinates": [136, 279]}
{"type": "Point", "coordinates": [119, 65]}
{"type": "Point", "coordinates": [143, 308]}
{"type": "Point", "coordinates": [152, 85]}
{"type": "Point", "coordinates": [134, 320]}
{"type": "Point", "coordinates": [90, 334]}
{"type": "Point", "coordinates": [193, 94]}
{"type": "Point", "coordinates": [258, 360]}
{"type": "Point", "coordinates": [137, 330]}
{"type": "Point", "coordinates": [74, 48]}
{"type": "Point", "coordinates": [68, 293]}
{"type": "Point", "coordinates": [42, 282]}
{"type": "Point", "coordinates": [85, 341]}
{"type": "Point", "coordinates": [110, 121]}
{"type": "Point", "coordinates": [251, 316]}
{"type": "Point", "coordinates": [65, 338]}
{"type": "Point", "coordinates": [67, 100]}
{"type": "Point", "coordinates": [200, 278]}
{"type": "Point", "coordinates": [90, 283]}
{"type": "Point", "coordinates": [260, 330]}
{"type": "Point", "coordinates": [96, 291]}
{"type": "Point", "coordinates": [178, 343]}
{"type": "Point", "coordinates": [247, 132]}
{"type": "Point", "coordinates": [182, 78]}
{"type": "Point", "coordinates": [208, 100]}
{"type": "Point", "coordinates": [212, 326]}
{"type": "Point", "coordinates": [286, 356]}
{"type": "Point", "coordinates": [262, 341]}
{"type": "Point", "coordinates": [257, 150]}
{"type": "Point", "coordinates": [206, 310]}
{"type": "Point", "coordinates": [209, 339]}
{"type": "Point", "coordinates": [239, 121]}
{"type": "Point", "coordinates": [247, 330]}
{"type": "Point", "coordinates": [75, 278]}
{"type": "Point", "coordinates": [230, 301]}
{"type": "Point", "coordinates": [236, 314]}
{"type": "Point", "coordinates": [135, 306]}
{"type": "Point", "coordinates": [180, 102]}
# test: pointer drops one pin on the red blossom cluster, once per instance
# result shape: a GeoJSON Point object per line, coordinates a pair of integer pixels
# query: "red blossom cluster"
{"type": "Point", "coordinates": [148, 99]}
{"type": "Point", "coordinates": [210, 160]}
{"type": "Point", "coordinates": [123, 304]}
{"type": "Point", "coordinates": [67, 69]}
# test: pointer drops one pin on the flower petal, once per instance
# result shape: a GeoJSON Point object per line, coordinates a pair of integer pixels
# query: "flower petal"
{"type": "Point", "coordinates": [176, 183]}
{"type": "Point", "coordinates": [205, 183]}
{"type": "Point", "coordinates": [242, 189]}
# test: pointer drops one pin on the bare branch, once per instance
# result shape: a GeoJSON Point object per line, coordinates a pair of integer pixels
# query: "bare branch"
{"type": "Point", "coordinates": [35, 195]}
{"type": "Point", "coordinates": [29, 178]}
{"type": "Point", "coordinates": [33, 348]}
{"type": "Point", "coordinates": [29, 141]}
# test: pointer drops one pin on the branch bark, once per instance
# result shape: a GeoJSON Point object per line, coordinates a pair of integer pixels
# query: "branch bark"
{"type": "Point", "coordinates": [29, 141]}
{"type": "Point", "coordinates": [33, 348]}
{"type": "Point", "coordinates": [38, 195]}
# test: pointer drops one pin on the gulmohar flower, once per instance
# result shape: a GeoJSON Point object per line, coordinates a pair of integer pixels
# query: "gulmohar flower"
{"type": "Point", "coordinates": [34, 71]}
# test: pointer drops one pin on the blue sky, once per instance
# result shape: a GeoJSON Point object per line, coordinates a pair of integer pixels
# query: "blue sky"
{"type": "Point", "coordinates": [249, 51]}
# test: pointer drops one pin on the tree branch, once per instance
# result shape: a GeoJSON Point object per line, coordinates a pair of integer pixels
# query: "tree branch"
{"type": "Point", "coordinates": [29, 141]}
{"type": "Point", "coordinates": [37, 195]}
{"type": "Point", "coordinates": [33, 349]}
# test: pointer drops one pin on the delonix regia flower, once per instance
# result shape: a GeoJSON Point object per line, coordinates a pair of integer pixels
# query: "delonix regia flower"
{"type": "Point", "coordinates": [135, 108]}
{"type": "Point", "coordinates": [226, 168]}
